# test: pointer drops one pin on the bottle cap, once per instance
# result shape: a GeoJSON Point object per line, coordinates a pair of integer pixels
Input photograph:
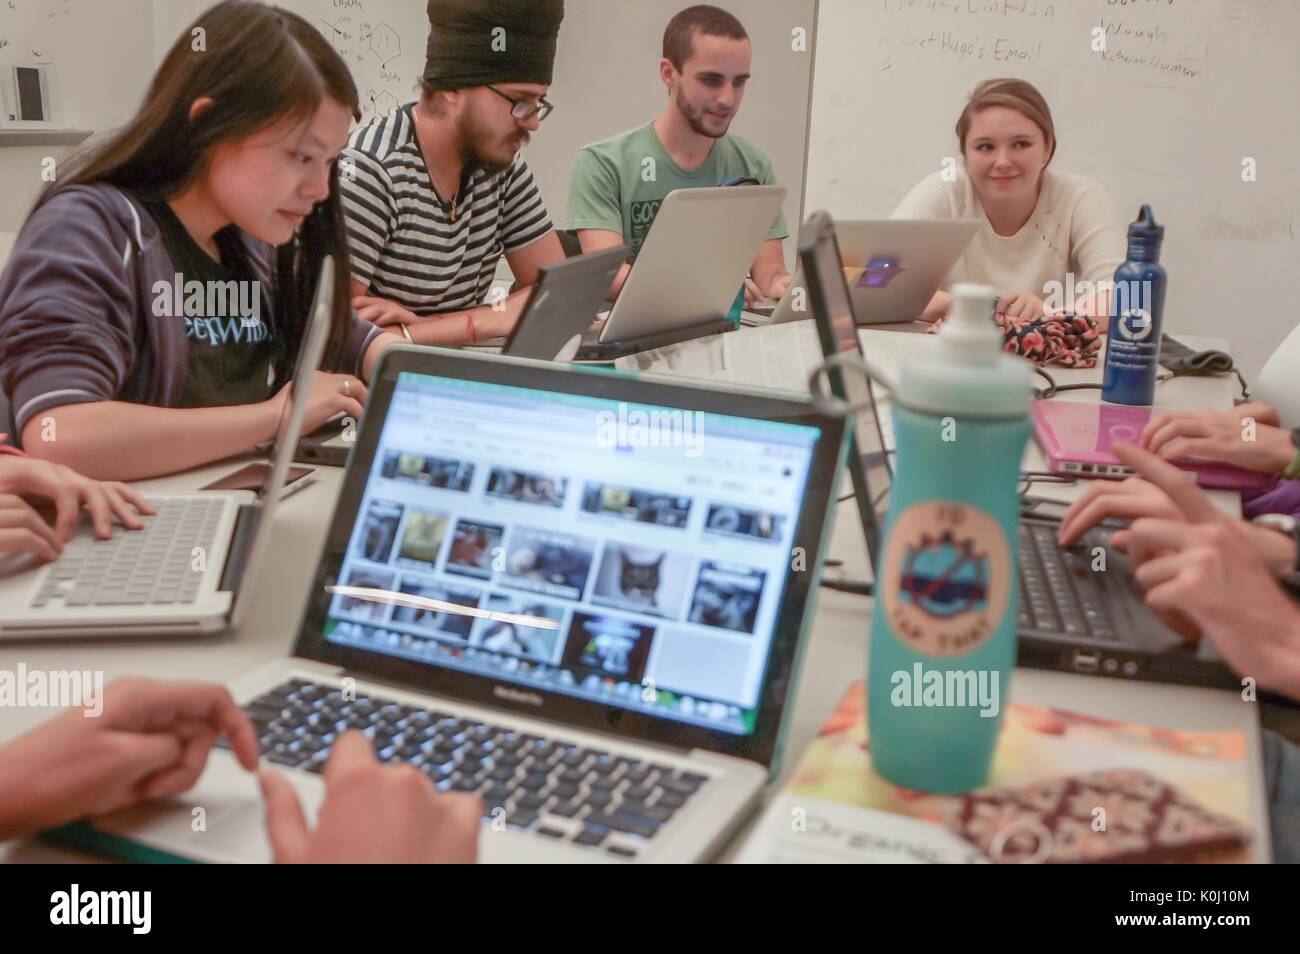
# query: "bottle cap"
{"type": "Point", "coordinates": [968, 374]}
{"type": "Point", "coordinates": [1145, 226]}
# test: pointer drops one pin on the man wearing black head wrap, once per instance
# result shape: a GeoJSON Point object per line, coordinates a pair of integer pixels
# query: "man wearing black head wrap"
{"type": "Point", "coordinates": [436, 191]}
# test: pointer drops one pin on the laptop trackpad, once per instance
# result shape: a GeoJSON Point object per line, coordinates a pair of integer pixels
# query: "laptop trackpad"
{"type": "Point", "coordinates": [221, 819]}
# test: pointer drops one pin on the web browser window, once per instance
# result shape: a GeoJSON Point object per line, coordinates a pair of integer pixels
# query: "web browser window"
{"type": "Point", "coordinates": [631, 555]}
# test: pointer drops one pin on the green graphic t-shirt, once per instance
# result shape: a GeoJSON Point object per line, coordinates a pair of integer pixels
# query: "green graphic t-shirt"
{"type": "Point", "coordinates": [618, 184]}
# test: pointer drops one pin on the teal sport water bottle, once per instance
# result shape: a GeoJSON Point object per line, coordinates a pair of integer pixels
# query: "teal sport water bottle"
{"type": "Point", "coordinates": [943, 630]}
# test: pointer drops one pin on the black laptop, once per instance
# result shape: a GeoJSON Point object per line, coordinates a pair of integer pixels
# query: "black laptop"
{"type": "Point", "coordinates": [1070, 617]}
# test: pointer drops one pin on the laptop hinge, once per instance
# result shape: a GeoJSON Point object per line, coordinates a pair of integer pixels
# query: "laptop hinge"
{"type": "Point", "coordinates": [240, 546]}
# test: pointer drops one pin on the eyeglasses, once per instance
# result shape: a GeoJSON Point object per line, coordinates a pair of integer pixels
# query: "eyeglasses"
{"type": "Point", "coordinates": [522, 109]}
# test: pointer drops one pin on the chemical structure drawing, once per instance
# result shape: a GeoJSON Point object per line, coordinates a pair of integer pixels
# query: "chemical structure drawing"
{"type": "Point", "coordinates": [358, 43]}
{"type": "Point", "coordinates": [365, 44]}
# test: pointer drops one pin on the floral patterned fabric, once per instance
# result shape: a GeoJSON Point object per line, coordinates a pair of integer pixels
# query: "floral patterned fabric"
{"type": "Point", "coordinates": [1113, 815]}
{"type": "Point", "coordinates": [1065, 341]}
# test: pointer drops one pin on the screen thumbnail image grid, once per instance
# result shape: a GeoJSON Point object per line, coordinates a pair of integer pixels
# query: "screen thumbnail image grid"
{"type": "Point", "coordinates": [626, 592]}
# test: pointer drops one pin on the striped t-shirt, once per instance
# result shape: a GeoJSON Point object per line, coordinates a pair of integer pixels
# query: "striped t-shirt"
{"type": "Point", "coordinates": [405, 245]}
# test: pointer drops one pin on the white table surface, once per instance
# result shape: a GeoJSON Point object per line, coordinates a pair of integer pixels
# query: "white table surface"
{"type": "Point", "coordinates": [835, 657]}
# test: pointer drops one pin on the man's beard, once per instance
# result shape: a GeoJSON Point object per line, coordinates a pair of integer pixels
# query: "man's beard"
{"type": "Point", "coordinates": [471, 153]}
{"type": "Point", "coordinates": [693, 120]}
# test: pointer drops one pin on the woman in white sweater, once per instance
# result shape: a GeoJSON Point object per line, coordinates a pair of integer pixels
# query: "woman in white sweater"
{"type": "Point", "coordinates": [1048, 237]}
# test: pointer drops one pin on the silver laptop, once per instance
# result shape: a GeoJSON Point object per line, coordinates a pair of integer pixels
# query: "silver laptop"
{"type": "Point", "coordinates": [187, 571]}
{"type": "Point", "coordinates": [897, 264]}
{"type": "Point", "coordinates": [563, 304]}
{"type": "Point", "coordinates": [594, 633]}
{"type": "Point", "coordinates": [689, 270]}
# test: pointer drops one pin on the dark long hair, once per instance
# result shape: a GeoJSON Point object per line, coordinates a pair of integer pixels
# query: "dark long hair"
{"type": "Point", "coordinates": [260, 65]}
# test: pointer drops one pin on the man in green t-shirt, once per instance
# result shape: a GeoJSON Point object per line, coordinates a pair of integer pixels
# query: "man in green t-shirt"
{"type": "Point", "coordinates": [618, 184]}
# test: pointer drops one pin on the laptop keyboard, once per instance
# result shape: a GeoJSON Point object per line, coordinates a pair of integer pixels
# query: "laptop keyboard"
{"type": "Point", "coordinates": [151, 566]}
{"type": "Point", "coordinates": [528, 782]}
{"type": "Point", "coordinates": [1059, 591]}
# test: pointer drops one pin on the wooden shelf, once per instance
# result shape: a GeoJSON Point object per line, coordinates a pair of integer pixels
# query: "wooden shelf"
{"type": "Point", "coordinates": [43, 137]}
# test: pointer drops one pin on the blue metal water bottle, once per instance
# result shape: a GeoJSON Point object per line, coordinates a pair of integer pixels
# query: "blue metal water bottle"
{"type": "Point", "coordinates": [943, 630]}
{"type": "Point", "coordinates": [1136, 313]}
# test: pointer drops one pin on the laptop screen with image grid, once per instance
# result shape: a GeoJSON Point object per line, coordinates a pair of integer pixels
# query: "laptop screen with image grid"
{"type": "Point", "coordinates": [629, 555]}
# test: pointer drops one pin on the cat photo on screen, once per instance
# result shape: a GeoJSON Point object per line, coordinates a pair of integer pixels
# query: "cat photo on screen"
{"type": "Point", "coordinates": [642, 579]}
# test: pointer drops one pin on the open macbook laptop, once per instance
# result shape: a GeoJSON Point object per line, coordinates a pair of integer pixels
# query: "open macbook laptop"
{"type": "Point", "coordinates": [689, 270]}
{"type": "Point", "coordinates": [568, 590]}
{"type": "Point", "coordinates": [1071, 617]}
{"type": "Point", "coordinates": [896, 266]}
{"type": "Point", "coordinates": [187, 571]}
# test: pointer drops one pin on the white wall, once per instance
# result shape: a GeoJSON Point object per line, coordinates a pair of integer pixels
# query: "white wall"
{"type": "Point", "coordinates": [100, 83]}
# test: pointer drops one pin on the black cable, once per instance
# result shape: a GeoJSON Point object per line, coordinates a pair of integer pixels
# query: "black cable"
{"type": "Point", "coordinates": [1198, 364]}
{"type": "Point", "coordinates": [848, 586]}
{"type": "Point", "coordinates": [1241, 381]}
{"type": "Point", "coordinates": [845, 586]}
{"type": "Point", "coordinates": [1054, 389]}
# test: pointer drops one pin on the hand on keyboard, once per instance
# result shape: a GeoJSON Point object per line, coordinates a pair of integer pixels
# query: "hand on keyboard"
{"type": "Point", "coordinates": [140, 739]}
{"type": "Point", "coordinates": [373, 813]}
{"type": "Point", "coordinates": [1127, 499]}
{"type": "Point", "coordinates": [25, 481]}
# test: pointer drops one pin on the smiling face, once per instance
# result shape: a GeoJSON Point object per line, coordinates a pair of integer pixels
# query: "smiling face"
{"type": "Point", "coordinates": [711, 83]}
{"type": "Point", "coordinates": [1005, 155]}
{"type": "Point", "coordinates": [490, 134]}
{"type": "Point", "coordinates": [269, 183]}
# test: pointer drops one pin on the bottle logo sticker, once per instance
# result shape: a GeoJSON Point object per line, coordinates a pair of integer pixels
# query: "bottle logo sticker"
{"type": "Point", "coordinates": [1135, 324]}
{"type": "Point", "coordinates": [946, 577]}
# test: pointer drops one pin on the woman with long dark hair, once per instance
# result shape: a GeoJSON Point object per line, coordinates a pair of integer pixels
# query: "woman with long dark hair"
{"type": "Point", "coordinates": [153, 305]}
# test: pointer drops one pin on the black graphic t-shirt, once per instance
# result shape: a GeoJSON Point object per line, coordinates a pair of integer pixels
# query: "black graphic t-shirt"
{"type": "Point", "coordinates": [232, 352]}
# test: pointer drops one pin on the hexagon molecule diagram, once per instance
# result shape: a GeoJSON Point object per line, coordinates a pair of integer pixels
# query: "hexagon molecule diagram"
{"type": "Point", "coordinates": [385, 43]}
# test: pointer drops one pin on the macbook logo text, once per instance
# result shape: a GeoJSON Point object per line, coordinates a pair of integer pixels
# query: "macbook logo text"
{"type": "Point", "coordinates": [514, 695]}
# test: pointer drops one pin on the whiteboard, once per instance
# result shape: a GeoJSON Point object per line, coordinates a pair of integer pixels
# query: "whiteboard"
{"type": "Point", "coordinates": [1184, 94]}
{"type": "Point", "coordinates": [382, 41]}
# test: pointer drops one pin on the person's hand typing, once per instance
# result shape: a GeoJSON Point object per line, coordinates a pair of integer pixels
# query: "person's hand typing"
{"type": "Point", "coordinates": [1204, 576]}
{"type": "Point", "coordinates": [372, 813]}
{"type": "Point", "coordinates": [149, 740]}
{"type": "Point", "coordinates": [27, 481]}
{"type": "Point", "coordinates": [1246, 436]}
{"type": "Point", "coordinates": [1119, 500]}
{"type": "Point", "coordinates": [331, 395]}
